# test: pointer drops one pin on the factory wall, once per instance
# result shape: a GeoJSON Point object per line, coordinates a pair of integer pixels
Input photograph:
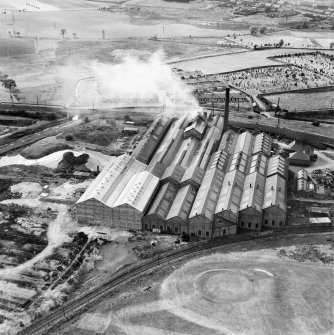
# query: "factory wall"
{"type": "Point", "coordinates": [274, 217]}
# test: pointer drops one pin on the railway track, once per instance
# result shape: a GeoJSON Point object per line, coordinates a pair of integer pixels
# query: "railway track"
{"type": "Point", "coordinates": [41, 325]}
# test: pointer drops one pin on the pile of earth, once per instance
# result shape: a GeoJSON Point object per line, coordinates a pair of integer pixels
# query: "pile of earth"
{"type": "Point", "coordinates": [70, 163]}
{"type": "Point", "coordinates": [43, 148]}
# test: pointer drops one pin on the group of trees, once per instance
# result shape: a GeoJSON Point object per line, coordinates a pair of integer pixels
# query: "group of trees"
{"type": "Point", "coordinates": [255, 29]}
{"type": "Point", "coordinates": [7, 82]}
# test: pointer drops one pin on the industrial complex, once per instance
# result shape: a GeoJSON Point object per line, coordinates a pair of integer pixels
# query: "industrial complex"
{"type": "Point", "coordinates": [191, 177]}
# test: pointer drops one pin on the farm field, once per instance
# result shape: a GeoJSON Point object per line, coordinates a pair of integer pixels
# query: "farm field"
{"type": "Point", "coordinates": [302, 101]}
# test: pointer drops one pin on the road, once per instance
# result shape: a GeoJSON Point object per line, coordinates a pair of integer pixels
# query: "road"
{"type": "Point", "coordinates": [43, 324]}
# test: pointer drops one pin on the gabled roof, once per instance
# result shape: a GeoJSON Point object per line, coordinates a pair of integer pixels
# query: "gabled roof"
{"type": "Point", "coordinates": [278, 164]}
{"type": "Point", "coordinates": [228, 141]}
{"type": "Point", "coordinates": [231, 192]}
{"type": "Point", "coordinates": [253, 191]}
{"type": "Point", "coordinates": [258, 163]}
{"type": "Point", "coordinates": [245, 143]}
{"type": "Point", "coordinates": [163, 200]}
{"type": "Point", "coordinates": [239, 161]}
{"type": "Point", "coordinates": [182, 203]}
{"type": "Point", "coordinates": [302, 174]}
{"type": "Point", "coordinates": [208, 194]}
{"type": "Point", "coordinates": [262, 143]}
{"type": "Point", "coordinates": [139, 191]}
{"type": "Point", "coordinates": [103, 183]}
{"type": "Point", "coordinates": [275, 192]}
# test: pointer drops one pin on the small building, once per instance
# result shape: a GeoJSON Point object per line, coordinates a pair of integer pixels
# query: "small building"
{"type": "Point", "coordinates": [128, 131]}
{"type": "Point", "coordinates": [320, 221]}
{"type": "Point", "coordinates": [81, 174]}
{"type": "Point", "coordinates": [196, 129]}
{"type": "Point", "coordinates": [302, 153]}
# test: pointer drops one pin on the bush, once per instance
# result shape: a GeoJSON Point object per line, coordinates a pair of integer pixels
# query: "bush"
{"type": "Point", "coordinates": [69, 138]}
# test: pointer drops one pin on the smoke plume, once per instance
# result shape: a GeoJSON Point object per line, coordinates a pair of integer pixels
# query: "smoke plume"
{"type": "Point", "coordinates": [136, 82]}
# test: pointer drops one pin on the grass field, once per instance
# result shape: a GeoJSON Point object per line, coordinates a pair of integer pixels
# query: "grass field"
{"type": "Point", "coordinates": [305, 100]}
{"type": "Point", "coordinates": [16, 47]}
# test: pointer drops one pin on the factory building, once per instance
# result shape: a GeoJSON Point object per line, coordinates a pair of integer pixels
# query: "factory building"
{"type": "Point", "coordinates": [203, 210]}
{"type": "Point", "coordinates": [130, 206]}
{"type": "Point", "coordinates": [177, 220]}
{"type": "Point", "coordinates": [227, 208]}
{"type": "Point", "coordinates": [306, 187]}
{"type": "Point", "coordinates": [190, 178]}
{"type": "Point", "coordinates": [274, 204]}
{"type": "Point", "coordinates": [156, 216]}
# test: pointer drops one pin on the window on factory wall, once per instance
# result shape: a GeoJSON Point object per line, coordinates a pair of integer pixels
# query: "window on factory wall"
{"type": "Point", "coordinates": [199, 233]}
{"type": "Point", "coordinates": [161, 228]}
{"type": "Point", "coordinates": [242, 223]}
{"type": "Point", "coordinates": [168, 228]}
{"type": "Point", "coordinates": [273, 222]}
{"type": "Point", "coordinates": [265, 222]}
{"type": "Point", "coordinates": [256, 225]}
{"type": "Point", "coordinates": [146, 227]}
{"type": "Point", "coordinates": [224, 231]}
{"type": "Point", "coordinates": [153, 226]}
{"type": "Point", "coordinates": [192, 234]}
{"type": "Point", "coordinates": [207, 234]}
{"type": "Point", "coordinates": [249, 225]}
{"type": "Point", "coordinates": [281, 223]}
{"type": "Point", "coordinates": [176, 229]}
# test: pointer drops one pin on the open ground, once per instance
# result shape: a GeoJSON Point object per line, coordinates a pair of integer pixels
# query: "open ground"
{"type": "Point", "coordinates": [227, 292]}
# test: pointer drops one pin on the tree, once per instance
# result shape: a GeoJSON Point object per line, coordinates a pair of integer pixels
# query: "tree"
{"type": "Point", "coordinates": [69, 138]}
{"type": "Point", "coordinates": [253, 30]}
{"type": "Point", "coordinates": [263, 29]}
{"type": "Point", "coordinates": [63, 32]}
{"type": "Point", "coordinates": [332, 45]}
{"type": "Point", "coordinates": [281, 42]}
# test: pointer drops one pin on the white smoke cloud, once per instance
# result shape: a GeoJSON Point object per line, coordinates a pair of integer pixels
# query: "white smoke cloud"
{"type": "Point", "coordinates": [136, 82]}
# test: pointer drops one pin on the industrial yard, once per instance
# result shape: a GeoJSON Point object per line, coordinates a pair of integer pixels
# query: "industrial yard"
{"type": "Point", "coordinates": [166, 167]}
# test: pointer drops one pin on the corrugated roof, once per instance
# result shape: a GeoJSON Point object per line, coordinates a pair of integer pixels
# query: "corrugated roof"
{"type": "Point", "coordinates": [228, 141]}
{"type": "Point", "coordinates": [220, 160]}
{"type": "Point", "coordinates": [302, 174]}
{"type": "Point", "coordinates": [245, 143]}
{"type": "Point", "coordinates": [150, 140]}
{"type": "Point", "coordinates": [122, 180]}
{"type": "Point", "coordinates": [258, 163]}
{"type": "Point", "coordinates": [174, 172]}
{"type": "Point", "coordinates": [263, 143]}
{"type": "Point", "coordinates": [138, 191]}
{"type": "Point", "coordinates": [103, 183]}
{"type": "Point", "coordinates": [208, 194]}
{"type": "Point", "coordinates": [231, 192]}
{"type": "Point", "coordinates": [275, 192]}
{"type": "Point", "coordinates": [196, 128]}
{"type": "Point", "coordinates": [163, 200]}
{"type": "Point", "coordinates": [277, 164]}
{"type": "Point", "coordinates": [239, 161]}
{"type": "Point", "coordinates": [182, 203]}
{"type": "Point", "coordinates": [253, 191]}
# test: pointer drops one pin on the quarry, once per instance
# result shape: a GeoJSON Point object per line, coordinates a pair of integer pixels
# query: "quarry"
{"type": "Point", "coordinates": [166, 167]}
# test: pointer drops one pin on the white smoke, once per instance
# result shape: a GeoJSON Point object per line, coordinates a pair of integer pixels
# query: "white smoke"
{"type": "Point", "coordinates": [136, 82]}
